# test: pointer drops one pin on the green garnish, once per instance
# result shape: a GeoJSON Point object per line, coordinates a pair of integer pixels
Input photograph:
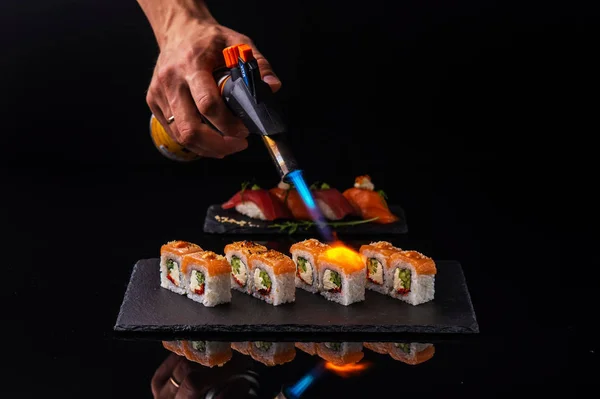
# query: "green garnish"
{"type": "Point", "coordinates": [336, 346]}
{"type": "Point", "coordinates": [321, 186]}
{"type": "Point", "coordinates": [302, 264]}
{"type": "Point", "coordinates": [292, 227]}
{"type": "Point", "coordinates": [405, 347]}
{"type": "Point", "coordinates": [235, 264]}
{"type": "Point", "coordinates": [325, 186]}
{"type": "Point", "coordinates": [263, 345]}
{"type": "Point", "coordinates": [266, 280]}
{"type": "Point", "coordinates": [335, 278]}
{"type": "Point", "coordinates": [255, 187]}
{"type": "Point", "coordinates": [200, 346]}
{"type": "Point", "coordinates": [199, 278]}
{"type": "Point", "coordinates": [314, 186]}
{"type": "Point", "coordinates": [373, 264]}
{"type": "Point", "coordinates": [382, 194]}
{"type": "Point", "coordinates": [170, 264]}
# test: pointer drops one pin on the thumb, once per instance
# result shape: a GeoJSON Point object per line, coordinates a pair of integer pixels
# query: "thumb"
{"type": "Point", "coordinates": [266, 71]}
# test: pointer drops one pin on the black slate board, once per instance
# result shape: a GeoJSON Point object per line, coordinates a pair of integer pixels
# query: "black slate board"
{"type": "Point", "coordinates": [212, 225]}
{"type": "Point", "coordinates": [150, 310]}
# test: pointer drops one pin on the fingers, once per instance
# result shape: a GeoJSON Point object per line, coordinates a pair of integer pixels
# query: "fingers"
{"type": "Point", "coordinates": [162, 373]}
{"type": "Point", "coordinates": [189, 129]}
{"type": "Point", "coordinates": [179, 373]}
{"type": "Point", "coordinates": [210, 104]}
{"type": "Point", "coordinates": [266, 71]}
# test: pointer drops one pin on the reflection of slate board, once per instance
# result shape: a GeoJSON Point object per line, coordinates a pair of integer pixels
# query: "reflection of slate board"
{"type": "Point", "coordinates": [211, 225]}
{"type": "Point", "coordinates": [149, 310]}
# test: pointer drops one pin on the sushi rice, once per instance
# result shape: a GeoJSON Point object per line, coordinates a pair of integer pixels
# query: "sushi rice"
{"type": "Point", "coordinates": [273, 277]}
{"type": "Point", "coordinates": [413, 277]}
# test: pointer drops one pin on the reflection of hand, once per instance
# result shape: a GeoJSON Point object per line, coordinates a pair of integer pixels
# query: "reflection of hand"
{"type": "Point", "coordinates": [179, 378]}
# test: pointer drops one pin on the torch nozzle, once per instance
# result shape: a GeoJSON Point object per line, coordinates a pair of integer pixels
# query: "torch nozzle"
{"type": "Point", "coordinates": [281, 154]}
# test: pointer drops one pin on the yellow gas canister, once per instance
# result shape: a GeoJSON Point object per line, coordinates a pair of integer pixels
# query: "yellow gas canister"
{"type": "Point", "coordinates": [167, 146]}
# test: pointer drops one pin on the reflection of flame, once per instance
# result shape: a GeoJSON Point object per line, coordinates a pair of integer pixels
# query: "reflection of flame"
{"type": "Point", "coordinates": [347, 370]}
{"type": "Point", "coordinates": [340, 253]}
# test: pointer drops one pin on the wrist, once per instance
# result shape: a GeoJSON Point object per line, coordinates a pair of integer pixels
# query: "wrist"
{"type": "Point", "coordinates": [168, 17]}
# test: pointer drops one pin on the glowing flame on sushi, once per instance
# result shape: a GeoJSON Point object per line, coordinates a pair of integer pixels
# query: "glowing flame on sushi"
{"type": "Point", "coordinates": [347, 370]}
{"type": "Point", "coordinates": [340, 253]}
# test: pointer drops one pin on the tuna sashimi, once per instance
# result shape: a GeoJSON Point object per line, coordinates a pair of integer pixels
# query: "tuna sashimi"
{"type": "Point", "coordinates": [258, 203]}
{"type": "Point", "coordinates": [369, 203]}
{"type": "Point", "coordinates": [331, 202]}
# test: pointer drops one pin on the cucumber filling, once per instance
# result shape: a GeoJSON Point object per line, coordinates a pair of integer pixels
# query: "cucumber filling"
{"type": "Point", "coordinates": [305, 270]}
{"type": "Point", "coordinates": [200, 346]}
{"type": "Point", "coordinates": [402, 280]}
{"type": "Point", "coordinates": [264, 346]}
{"type": "Point", "coordinates": [262, 281]}
{"type": "Point", "coordinates": [375, 271]}
{"type": "Point", "coordinates": [332, 281]}
{"type": "Point", "coordinates": [173, 271]}
{"type": "Point", "coordinates": [334, 346]}
{"type": "Point", "coordinates": [197, 282]}
{"type": "Point", "coordinates": [404, 347]}
{"type": "Point", "coordinates": [239, 271]}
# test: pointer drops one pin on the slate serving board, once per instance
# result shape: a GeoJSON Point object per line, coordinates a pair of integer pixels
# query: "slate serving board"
{"type": "Point", "coordinates": [149, 310]}
{"type": "Point", "coordinates": [212, 225]}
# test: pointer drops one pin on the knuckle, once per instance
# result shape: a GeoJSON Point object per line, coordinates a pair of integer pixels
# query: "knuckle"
{"type": "Point", "coordinates": [187, 135]}
{"type": "Point", "coordinates": [207, 104]}
{"type": "Point", "coordinates": [165, 74]}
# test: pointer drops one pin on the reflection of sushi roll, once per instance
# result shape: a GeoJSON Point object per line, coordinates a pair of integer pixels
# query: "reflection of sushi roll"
{"type": "Point", "coordinates": [272, 353]}
{"type": "Point", "coordinates": [411, 353]}
{"type": "Point", "coordinates": [342, 274]}
{"type": "Point", "coordinates": [308, 347]}
{"type": "Point", "coordinates": [305, 254]}
{"type": "Point", "coordinates": [272, 276]}
{"type": "Point", "coordinates": [242, 347]}
{"type": "Point", "coordinates": [413, 277]}
{"type": "Point", "coordinates": [207, 353]}
{"type": "Point", "coordinates": [237, 254]}
{"type": "Point", "coordinates": [206, 278]}
{"type": "Point", "coordinates": [171, 256]}
{"type": "Point", "coordinates": [341, 353]}
{"type": "Point", "coordinates": [377, 256]}
{"type": "Point", "coordinates": [174, 346]}
{"type": "Point", "coordinates": [378, 347]}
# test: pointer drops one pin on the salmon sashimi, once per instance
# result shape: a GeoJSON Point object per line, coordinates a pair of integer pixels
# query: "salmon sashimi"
{"type": "Point", "coordinates": [257, 203]}
{"type": "Point", "coordinates": [369, 203]}
{"type": "Point", "coordinates": [331, 202]}
{"type": "Point", "coordinates": [291, 200]}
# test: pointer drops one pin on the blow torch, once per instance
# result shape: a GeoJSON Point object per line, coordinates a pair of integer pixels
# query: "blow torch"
{"type": "Point", "coordinates": [249, 98]}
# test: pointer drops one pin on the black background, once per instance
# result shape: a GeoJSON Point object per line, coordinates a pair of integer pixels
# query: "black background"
{"type": "Point", "coordinates": [478, 117]}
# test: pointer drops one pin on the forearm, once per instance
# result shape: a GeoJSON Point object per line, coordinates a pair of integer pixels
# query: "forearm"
{"type": "Point", "coordinates": [163, 15]}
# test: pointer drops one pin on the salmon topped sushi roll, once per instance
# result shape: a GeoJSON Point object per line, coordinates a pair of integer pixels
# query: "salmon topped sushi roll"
{"type": "Point", "coordinates": [174, 346]}
{"type": "Point", "coordinates": [171, 257]}
{"type": "Point", "coordinates": [413, 277]}
{"type": "Point", "coordinates": [237, 254]}
{"type": "Point", "coordinates": [378, 347]}
{"type": "Point", "coordinates": [342, 273]}
{"type": "Point", "coordinates": [272, 353]}
{"type": "Point", "coordinates": [411, 353]}
{"type": "Point", "coordinates": [307, 347]}
{"type": "Point", "coordinates": [305, 254]}
{"type": "Point", "coordinates": [207, 278]}
{"type": "Point", "coordinates": [242, 347]}
{"type": "Point", "coordinates": [272, 274]}
{"type": "Point", "coordinates": [207, 353]}
{"type": "Point", "coordinates": [341, 353]}
{"type": "Point", "coordinates": [377, 257]}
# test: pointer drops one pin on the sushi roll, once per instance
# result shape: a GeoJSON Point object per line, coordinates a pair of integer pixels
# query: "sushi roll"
{"type": "Point", "coordinates": [207, 353]}
{"type": "Point", "coordinates": [272, 353]}
{"type": "Point", "coordinates": [307, 347]}
{"type": "Point", "coordinates": [237, 254]}
{"type": "Point", "coordinates": [242, 347]}
{"type": "Point", "coordinates": [305, 254]}
{"type": "Point", "coordinates": [258, 203]}
{"type": "Point", "coordinates": [342, 273]}
{"type": "Point", "coordinates": [207, 278]}
{"type": "Point", "coordinates": [340, 353]}
{"type": "Point", "coordinates": [378, 347]}
{"type": "Point", "coordinates": [171, 256]}
{"type": "Point", "coordinates": [377, 257]}
{"type": "Point", "coordinates": [174, 346]}
{"type": "Point", "coordinates": [413, 277]}
{"type": "Point", "coordinates": [411, 353]}
{"type": "Point", "coordinates": [272, 274]}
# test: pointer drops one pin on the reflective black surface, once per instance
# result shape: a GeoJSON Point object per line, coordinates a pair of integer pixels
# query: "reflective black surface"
{"type": "Point", "coordinates": [480, 134]}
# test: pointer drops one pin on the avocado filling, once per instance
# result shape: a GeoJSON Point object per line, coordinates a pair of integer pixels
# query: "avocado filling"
{"type": "Point", "coordinates": [265, 346]}
{"type": "Point", "coordinates": [305, 270]}
{"type": "Point", "coordinates": [404, 347]}
{"type": "Point", "coordinates": [200, 346]}
{"type": "Point", "coordinates": [334, 346]}
{"type": "Point", "coordinates": [375, 271]}
{"type": "Point", "coordinates": [332, 281]}
{"type": "Point", "coordinates": [262, 281]}
{"type": "Point", "coordinates": [197, 282]}
{"type": "Point", "coordinates": [402, 278]}
{"type": "Point", "coordinates": [239, 271]}
{"type": "Point", "coordinates": [173, 271]}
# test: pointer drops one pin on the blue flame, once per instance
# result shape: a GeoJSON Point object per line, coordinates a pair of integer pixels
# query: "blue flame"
{"type": "Point", "coordinates": [309, 201]}
{"type": "Point", "coordinates": [299, 387]}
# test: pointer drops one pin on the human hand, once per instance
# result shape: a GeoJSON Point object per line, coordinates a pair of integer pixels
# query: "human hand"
{"type": "Point", "coordinates": [183, 85]}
